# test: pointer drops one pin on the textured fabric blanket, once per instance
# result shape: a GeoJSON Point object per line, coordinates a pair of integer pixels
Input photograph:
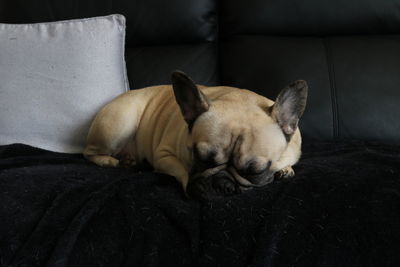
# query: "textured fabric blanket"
{"type": "Point", "coordinates": [341, 209]}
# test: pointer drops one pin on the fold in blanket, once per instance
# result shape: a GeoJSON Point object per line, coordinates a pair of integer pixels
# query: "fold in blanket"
{"type": "Point", "coordinates": [341, 209]}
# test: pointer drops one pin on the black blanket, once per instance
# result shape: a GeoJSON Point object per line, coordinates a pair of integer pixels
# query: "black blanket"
{"type": "Point", "coordinates": [341, 209]}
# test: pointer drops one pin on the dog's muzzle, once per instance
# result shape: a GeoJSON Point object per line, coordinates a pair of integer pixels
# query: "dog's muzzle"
{"type": "Point", "coordinates": [251, 181]}
{"type": "Point", "coordinates": [223, 180]}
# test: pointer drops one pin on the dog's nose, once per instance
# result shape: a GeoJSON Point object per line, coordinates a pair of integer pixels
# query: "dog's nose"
{"type": "Point", "coordinates": [206, 187]}
{"type": "Point", "coordinates": [253, 168]}
{"type": "Point", "coordinates": [224, 184]}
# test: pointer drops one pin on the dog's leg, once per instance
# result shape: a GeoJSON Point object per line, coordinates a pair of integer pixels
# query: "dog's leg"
{"type": "Point", "coordinates": [289, 157]}
{"type": "Point", "coordinates": [126, 156]}
{"type": "Point", "coordinates": [173, 166]}
{"type": "Point", "coordinates": [113, 129]}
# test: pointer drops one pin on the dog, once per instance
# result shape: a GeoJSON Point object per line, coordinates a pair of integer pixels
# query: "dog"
{"type": "Point", "coordinates": [211, 139]}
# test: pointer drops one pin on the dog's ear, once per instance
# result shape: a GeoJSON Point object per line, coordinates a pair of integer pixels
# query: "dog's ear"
{"type": "Point", "coordinates": [189, 97]}
{"type": "Point", "coordinates": [289, 106]}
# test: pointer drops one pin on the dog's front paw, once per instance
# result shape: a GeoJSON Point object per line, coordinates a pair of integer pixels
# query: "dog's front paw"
{"type": "Point", "coordinates": [103, 160]}
{"type": "Point", "coordinates": [287, 172]}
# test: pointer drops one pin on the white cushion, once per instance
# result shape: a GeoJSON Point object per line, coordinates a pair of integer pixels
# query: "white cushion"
{"type": "Point", "coordinates": [55, 76]}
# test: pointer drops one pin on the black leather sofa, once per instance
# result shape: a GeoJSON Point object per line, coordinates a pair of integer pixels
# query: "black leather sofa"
{"type": "Point", "coordinates": [341, 209]}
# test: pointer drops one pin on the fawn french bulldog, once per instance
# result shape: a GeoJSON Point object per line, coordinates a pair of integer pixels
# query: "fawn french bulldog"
{"type": "Point", "coordinates": [219, 139]}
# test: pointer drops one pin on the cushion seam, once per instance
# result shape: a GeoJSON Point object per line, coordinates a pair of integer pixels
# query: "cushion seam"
{"type": "Point", "coordinates": [333, 89]}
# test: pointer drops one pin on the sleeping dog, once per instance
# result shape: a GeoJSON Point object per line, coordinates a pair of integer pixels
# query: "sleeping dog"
{"type": "Point", "coordinates": [212, 139]}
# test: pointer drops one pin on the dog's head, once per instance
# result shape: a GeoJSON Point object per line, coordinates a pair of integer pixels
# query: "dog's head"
{"type": "Point", "coordinates": [236, 137]}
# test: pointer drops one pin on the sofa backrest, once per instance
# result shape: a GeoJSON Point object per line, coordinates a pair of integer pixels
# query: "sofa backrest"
{"type": "Point", "coordinates": [161, 35]}
{"type": "Point", "coordinates": [347, 50]}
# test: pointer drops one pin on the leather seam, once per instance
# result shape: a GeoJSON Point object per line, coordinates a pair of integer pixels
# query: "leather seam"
{"type": "Point", "coordinates": [333, 89]}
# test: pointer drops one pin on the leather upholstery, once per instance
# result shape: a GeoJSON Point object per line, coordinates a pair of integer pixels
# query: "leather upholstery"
{"type": "Point", "coordinates": [367, 85]}
{"type": "Point", "coordinates": [347, 50]}
{"type": "Point", "coordinates": [152, 65]}
{"type": "Point", "coordinates": [310, 17]}
{"type": "Point", "coordinates": [267, 64]}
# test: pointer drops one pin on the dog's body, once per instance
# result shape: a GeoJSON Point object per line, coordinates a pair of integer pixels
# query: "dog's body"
{"type": "Point", "coordinates": [179, 128]}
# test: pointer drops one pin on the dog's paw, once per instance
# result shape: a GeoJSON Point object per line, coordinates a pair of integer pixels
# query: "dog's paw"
{"type": "Point", "coordinates": [287, 172]}
{"type": "Point", "coordinates": [104, 161]}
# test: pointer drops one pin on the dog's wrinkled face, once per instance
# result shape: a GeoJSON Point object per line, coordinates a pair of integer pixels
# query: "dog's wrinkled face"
{"type": "Point", "coordinates": [245, 147]}
{"type": "Point", "coordinates": [236, 140]}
